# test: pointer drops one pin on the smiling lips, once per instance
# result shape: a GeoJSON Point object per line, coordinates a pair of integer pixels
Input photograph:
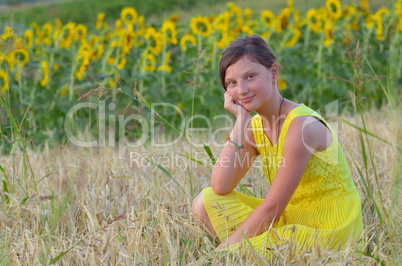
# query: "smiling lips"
{"type": "Point", "coordinates": [246, 100]}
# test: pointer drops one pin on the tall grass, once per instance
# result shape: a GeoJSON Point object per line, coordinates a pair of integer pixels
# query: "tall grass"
{"type": "Point", "coordinates": [117, 214]}
{"type": "Point", "coordinates": [383, 237]}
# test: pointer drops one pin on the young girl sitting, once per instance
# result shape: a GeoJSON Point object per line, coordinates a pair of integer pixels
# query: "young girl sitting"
{"type": "Point", "coordinates": [312, 199]}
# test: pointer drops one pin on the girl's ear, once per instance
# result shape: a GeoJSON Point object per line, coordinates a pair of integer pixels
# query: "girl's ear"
{"type": "Point", "coordinates": [275, 71]}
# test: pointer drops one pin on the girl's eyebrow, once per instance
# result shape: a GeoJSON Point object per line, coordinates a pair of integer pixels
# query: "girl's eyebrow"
{"type": "Point", "coordinates": [244, 74]}
{"type": "Point", "coordinates": [249, 71]}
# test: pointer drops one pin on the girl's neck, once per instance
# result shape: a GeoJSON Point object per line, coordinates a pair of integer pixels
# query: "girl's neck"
{"type": "Point", "coordinates": [273, 112]}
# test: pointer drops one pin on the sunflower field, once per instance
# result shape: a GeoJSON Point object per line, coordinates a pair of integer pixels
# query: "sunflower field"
{"type": "Point", "coordinates": [49, 67]}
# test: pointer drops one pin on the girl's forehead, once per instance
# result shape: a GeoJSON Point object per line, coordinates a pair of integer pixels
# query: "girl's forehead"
{"type": "Point", "coordinates": [244, 64]}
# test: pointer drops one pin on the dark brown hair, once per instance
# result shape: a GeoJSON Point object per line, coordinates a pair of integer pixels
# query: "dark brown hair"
{"type": "Point", "coordinates": [253, 46]}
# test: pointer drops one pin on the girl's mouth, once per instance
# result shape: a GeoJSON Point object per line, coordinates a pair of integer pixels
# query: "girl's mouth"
{"type": "Point", "coordinates": [246, 100]}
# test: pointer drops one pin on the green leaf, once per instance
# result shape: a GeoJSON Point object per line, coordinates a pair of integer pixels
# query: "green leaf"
{"type": "Point", "coordinates": [24, 200]}
{"type": "Point", "coordinates": [166, 172]}
{"type": "Point", "coordinates": [2, 169]}
{"type": "Point", "coordinates": [209, 152]}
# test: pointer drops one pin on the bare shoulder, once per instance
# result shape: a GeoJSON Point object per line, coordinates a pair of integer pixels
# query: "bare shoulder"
{"type": "Point", "coordinates": [311, 132]}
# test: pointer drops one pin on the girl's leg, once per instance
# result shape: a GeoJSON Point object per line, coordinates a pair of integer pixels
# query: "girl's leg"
{"type": "Point", "coordinates": [201, 216]}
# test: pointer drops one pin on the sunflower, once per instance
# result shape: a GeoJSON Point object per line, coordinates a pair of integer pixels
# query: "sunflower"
{"type": "Point", "coordinates": [247, 14]}
{"type": "Point", "coordinates": [98, 52]}
{"type": "Point", "coordinates": [378, 22]}
{"type": "Point", "coordinates": [201, 25]}
{"type": "Point", "coordinates": [156, 38]}
{"type": "Point", "coordinates": [225, 38]}
{"type": "Point", "coordinates": [328, 33]}
{"type": "Point", "coordinates": [364, 5]}
{"type": "Point", "coordinates": [99, 20]}
{"type": "Point", "coordinates": [314, 20]}
{"type": "Point", "coordinates": [142, 29]}
{"type": "Point", "coordinates": [81, 32]}
{"type": "Point", "coordinates": [8, 44]}
{"type": "Point", "coordinates": [170, 26]}
{"type": "Point", "coordinates": [111, 83]}
{"type": "Point", "coordinates": [21, 56]}
{"type": "Point", "coordinates": [165, 66]}
{"type": "Point", "coordinates": [132, 13]}
{"type": "Point", "coordinates": [128, 41]}
{"type": "Point", "coordinates": [283, 20]}
{"type": "Point", "coordinates": [4, 79]}
{"type": "Point", "coordinates": [57, 29]}
{"type": "Point", "coordinates": [398, 9]}
{"type": "Point", "coordinates": [122, 63]}
{"type": "Point", "coordinates": [334, 9]}
{"type": "Point", "coordinates": [187, 38]}
{"type": "Point", "coordinates": [291, 5]}
{"type": "Point", "coordinates": [67, 35]}
{"type": "Point", "coordinates": [267, 18]}
{"type": "Point", "coordinates": [45, 72]}
{"type": "Point", "coordinates": [369, 20]}
{"type": "Point", "coordinates": [348, 11]}
{"type": "Point", "coordinates": [295, 37]}
{"type": "Point", "coordinates": [47, 32]}
{"type": "Point", "coordinates": [111, 61]}
{"type": "Point", "coordinates": [281, 84]}
{"type": "Point", "coordinates": [28, 37]}
{"type": "Point", "coordinates": [247, 30]}
{"type": "Point", "coordinates": [150, 67]}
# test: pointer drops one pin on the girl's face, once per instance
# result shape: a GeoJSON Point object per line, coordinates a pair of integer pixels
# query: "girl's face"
{"type": "Point", "coordinates": [251, 84]}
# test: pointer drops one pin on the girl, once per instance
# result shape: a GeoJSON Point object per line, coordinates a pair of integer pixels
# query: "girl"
{"type": "Point", "coordinates": [312, 198]}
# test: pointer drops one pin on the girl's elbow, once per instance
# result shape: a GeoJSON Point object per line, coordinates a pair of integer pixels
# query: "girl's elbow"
{"type": "Point", "coordinates": [220, 190]}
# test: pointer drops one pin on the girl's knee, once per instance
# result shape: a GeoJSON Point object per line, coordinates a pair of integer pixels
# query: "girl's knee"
{"type": "Point", "coordinates": [198, 208]}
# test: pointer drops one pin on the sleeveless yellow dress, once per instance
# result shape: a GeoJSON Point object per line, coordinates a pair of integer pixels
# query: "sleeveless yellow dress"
{"type": "Point", "coordinates": [325, 208]}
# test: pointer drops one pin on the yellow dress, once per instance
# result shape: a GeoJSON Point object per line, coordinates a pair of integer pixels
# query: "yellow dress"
{"type": "Point", "coordinates": [325, 208]}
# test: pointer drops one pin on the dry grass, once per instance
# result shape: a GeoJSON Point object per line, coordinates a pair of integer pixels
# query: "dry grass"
{"type": "Point", "coordinates": [108, 212]}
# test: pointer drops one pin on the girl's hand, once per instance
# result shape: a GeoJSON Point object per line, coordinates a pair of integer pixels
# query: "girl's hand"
{"type": "Point", "coordinates": [235, 108]}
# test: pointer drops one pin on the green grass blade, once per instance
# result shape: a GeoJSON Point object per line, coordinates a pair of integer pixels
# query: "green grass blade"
{"type": "Point", "coordinates": [14, 124]}
{"type": "Point", "coordinates": [192, 159]}
{"type": "Point", "coordinates": [247, 190]}
{"type": "Point", "coordinates": [363, 150]}
{"type": "Point", "coordinates": [367, 132]}
{"type": "Point", "coordinates": [371, 256]}
{"type": "Point", "coordinates": [209, 152]}
{"type": "Point", "coordinates": [5, 188]}
{"type": "Point", "coordinates": [24, 200]}
{"type": "Point", "coordinates": [53, 261]}
{"type": "Point", "coordinates": [367, 189]}
{"type": "Point", "coordinates": [253, 248]}
{"type": "Point", "coordinates": [167, 173]}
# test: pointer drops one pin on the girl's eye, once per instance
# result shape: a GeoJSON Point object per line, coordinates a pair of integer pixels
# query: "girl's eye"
{"type": "Point", "coordinates": [250, 76]}
{"type": "Point", "coordinates": [230, 83]}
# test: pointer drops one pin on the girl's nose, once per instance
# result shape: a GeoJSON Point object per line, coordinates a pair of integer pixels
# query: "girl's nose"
{"type": "Point", "coordinates": [243, 87]}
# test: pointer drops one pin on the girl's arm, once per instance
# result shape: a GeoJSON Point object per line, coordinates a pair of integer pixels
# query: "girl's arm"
{"type": "Point", "coordinates": [302, 139]}
{"type": "Point", "coordinates": [229, 168]}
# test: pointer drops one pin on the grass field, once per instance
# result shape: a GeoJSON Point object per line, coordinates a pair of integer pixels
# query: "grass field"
{"type": "Point", "coordinates": [105, 210]}
{"type": "Point", "coordinates": [63, 203]}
